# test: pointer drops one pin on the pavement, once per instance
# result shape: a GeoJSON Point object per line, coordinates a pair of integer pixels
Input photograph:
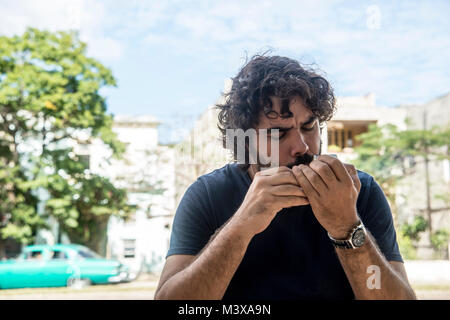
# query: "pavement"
{"type": "Point", "coordinates": [143, 288]}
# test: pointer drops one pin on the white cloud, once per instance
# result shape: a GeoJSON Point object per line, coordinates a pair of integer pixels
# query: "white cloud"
{"type": "Point", "coordinates": [86, 16]}
{"type": "Point", "coordinates": [411, 43]}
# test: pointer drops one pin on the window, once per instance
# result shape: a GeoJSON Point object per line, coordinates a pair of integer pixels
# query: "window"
{"type": "Point", "coordinates": [88, 254]}
{"type": "Point", "coordinates": [34, 255]}
{"type": "Point", "coordinates": [342, 138]}
{"type": "Point", "coordinates": [129, 248]}
{"type": "Point", "coordinates": [58, 254]}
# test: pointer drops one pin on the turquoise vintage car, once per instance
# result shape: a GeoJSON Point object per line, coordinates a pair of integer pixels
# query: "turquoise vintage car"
{"type": "Point", "coordinates": [59, 265]}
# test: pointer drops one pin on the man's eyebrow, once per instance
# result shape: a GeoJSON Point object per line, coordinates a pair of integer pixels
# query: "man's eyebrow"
{"type": "Point", "coordinates": [310, 120]}
{"type": "Point", "coordinates": [281, 129]}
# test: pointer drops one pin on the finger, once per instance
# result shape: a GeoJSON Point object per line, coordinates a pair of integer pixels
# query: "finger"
{"type": "Point", "coordinates": [315, 180]}
{"type": "Point", "coordinates": [287, 190]}
{"type": "Point", "coordinates": [284, 177]}
{"type": "Point", "coordinates": [324, 171]}
{"type": "Point", "coordinates": [303, 181]}
{"type": "Point", "coordinates": [273, 171]}
{"type": "Point", "coordinates": [291, 201]}
{"type": "Point", "coordinates": [354, 175]}
{"type": "Point", "coordinates": [338, 168]}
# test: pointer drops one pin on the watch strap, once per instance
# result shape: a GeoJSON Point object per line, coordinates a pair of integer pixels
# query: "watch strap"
{"type": "Point", "coordinates": [347, 243]}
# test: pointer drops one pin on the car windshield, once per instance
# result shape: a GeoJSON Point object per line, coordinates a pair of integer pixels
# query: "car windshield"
{"type": "Point", "coordinates": [32, 255]}
{"type": "Point", "coordinates": [88, 254]}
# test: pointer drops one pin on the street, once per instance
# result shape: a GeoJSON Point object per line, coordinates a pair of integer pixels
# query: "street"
{"type": "Point", "coordinates": [143, 288]}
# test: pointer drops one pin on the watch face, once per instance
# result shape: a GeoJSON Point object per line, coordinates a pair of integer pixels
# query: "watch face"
{"type": "Point", "coordinates": [358, 238]}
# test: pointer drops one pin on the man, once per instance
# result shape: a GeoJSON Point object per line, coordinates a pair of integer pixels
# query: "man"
{"type": "Point", "coordinates": [311, 228]}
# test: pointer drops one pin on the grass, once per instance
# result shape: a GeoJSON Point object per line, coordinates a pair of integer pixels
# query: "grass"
{"type": "Point", "coordinates": [427, 287]}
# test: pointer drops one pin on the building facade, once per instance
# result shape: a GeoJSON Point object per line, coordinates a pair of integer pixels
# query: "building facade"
{"type": "Point", "coordinates": [202, 151]}
{"type": "Point", "coordinates": [147, 172]}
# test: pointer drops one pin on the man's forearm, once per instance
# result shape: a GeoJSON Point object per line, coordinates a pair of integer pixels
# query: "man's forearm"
{"type": "Point", "coordinates": [209, 275]}
{"type": "Point", "coordinates": [362, 263]}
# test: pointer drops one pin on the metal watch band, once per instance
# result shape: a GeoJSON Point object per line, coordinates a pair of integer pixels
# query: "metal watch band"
{"type": "Point", "coordinates": [347, 243]}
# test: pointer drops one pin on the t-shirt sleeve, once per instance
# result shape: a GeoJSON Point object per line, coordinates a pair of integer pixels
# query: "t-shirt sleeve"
{"type": "Point", "coordinates": [377, 218]}
{"type": "Point", "coordinates": [192, 227]}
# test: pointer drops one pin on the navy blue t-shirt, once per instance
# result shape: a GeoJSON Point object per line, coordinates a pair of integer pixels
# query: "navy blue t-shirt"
{"type": "Point", "coordinates": [293, 258]}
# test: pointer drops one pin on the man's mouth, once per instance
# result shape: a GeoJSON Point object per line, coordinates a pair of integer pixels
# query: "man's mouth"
{"type": "Point", "coordinates": [304, 159]}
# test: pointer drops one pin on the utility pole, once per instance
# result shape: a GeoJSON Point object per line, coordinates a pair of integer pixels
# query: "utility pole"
{"type": "Point", "coordinates": [427, 176]}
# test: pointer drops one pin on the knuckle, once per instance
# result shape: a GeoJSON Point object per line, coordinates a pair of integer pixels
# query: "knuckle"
{"type": "Point", "coordinates": [258, 180]}
{"type": "Point", "coordinates": [334, 162]}
{"type": "Point", "coordinates": [318, 165]}
{"type": "Point", "coordinates": [287, 174]}
{"type": "Point", "coordinates": [350, 167]}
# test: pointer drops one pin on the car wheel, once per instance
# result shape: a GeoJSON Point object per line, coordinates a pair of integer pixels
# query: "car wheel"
{"type": "Point", "coordinates": [77, 283]}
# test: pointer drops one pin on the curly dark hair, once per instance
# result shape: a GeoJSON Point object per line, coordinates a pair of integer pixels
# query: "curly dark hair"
{"type": "Point", "coordinates": [266, 76]}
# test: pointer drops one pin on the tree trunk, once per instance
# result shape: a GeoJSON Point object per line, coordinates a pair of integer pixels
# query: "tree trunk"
{"type": "Point", "coordinates": [98, 239]}
{"type": "Point", "coordinates": [2, 249]}
{"type": "Point", "coordinates": [97, 229]}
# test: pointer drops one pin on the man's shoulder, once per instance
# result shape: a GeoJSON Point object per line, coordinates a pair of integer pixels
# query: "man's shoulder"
{"type": "Point", "coordinates": [227, 176]}
{"type": "Point", "coordinates": [365, 178]}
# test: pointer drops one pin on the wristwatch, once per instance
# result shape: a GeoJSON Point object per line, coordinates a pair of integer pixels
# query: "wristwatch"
{"type": "Point", "coordinates": [357, 237]}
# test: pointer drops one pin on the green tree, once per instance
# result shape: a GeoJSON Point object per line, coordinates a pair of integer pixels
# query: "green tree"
{"type": "Point", "coordinates": [414, 229]}
{"type": "Point", "coordinates": [381, 155]}
{"type": "Point", "coordinates": [50, 102]}
{"type": "Point", "coordinates": [385, 150]}
{"type": "Point", "coordinates": [439, 240]}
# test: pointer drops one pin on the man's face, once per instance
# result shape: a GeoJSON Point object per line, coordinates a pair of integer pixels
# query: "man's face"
{"type": "Point", "coordinates": [299, 135]}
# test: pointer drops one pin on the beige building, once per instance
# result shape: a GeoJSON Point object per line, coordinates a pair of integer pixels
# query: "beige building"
{"type": "Point", "coordinates": [147, 173]}
{"type": "Point", "coordinates": [202, 152]}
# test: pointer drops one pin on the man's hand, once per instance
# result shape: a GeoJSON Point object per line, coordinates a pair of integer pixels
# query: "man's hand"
{"type": "Point", "coordinates": [271, 190]}
{"type": "Point", "coordinates": [332, 190]}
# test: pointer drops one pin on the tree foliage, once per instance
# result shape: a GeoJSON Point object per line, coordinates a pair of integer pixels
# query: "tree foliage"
{"type": "Point", "coordinates": [391, 154]}
{"type": "Point", "coordinates": [50, 105]}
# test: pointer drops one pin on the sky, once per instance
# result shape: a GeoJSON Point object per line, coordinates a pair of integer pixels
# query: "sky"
{"type": "Point", "coordinates": [171, 58]}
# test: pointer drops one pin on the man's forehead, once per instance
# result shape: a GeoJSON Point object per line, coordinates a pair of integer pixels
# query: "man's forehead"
{"type": "Point", "coordinates": [300, 114]}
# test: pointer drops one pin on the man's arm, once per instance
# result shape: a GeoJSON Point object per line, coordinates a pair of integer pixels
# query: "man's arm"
{"type": "Point", "coordinates": [371, 276]}
{"type": "Point", "coordinates": [208, 274]}
{"type": "Point", "coordinates": [332, 193]}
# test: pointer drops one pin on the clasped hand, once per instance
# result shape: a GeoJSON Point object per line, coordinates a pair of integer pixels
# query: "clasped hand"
{"type": "Point", "coordinates": [332, 189]}
{"type": "Point", "coordinates": [328, 185]}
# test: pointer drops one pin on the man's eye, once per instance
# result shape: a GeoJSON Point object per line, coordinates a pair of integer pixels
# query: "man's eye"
{"type": "Point", "coordinates": [309, 129]}
{"type": "Point", "coordinates": [277, 136]}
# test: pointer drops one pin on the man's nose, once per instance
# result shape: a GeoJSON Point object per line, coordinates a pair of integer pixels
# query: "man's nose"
{"type": "Point", "coordinates": [298, 145]}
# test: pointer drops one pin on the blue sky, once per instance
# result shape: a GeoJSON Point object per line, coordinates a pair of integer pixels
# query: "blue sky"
{"type": "Point", "coordinates": [171, 58]}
